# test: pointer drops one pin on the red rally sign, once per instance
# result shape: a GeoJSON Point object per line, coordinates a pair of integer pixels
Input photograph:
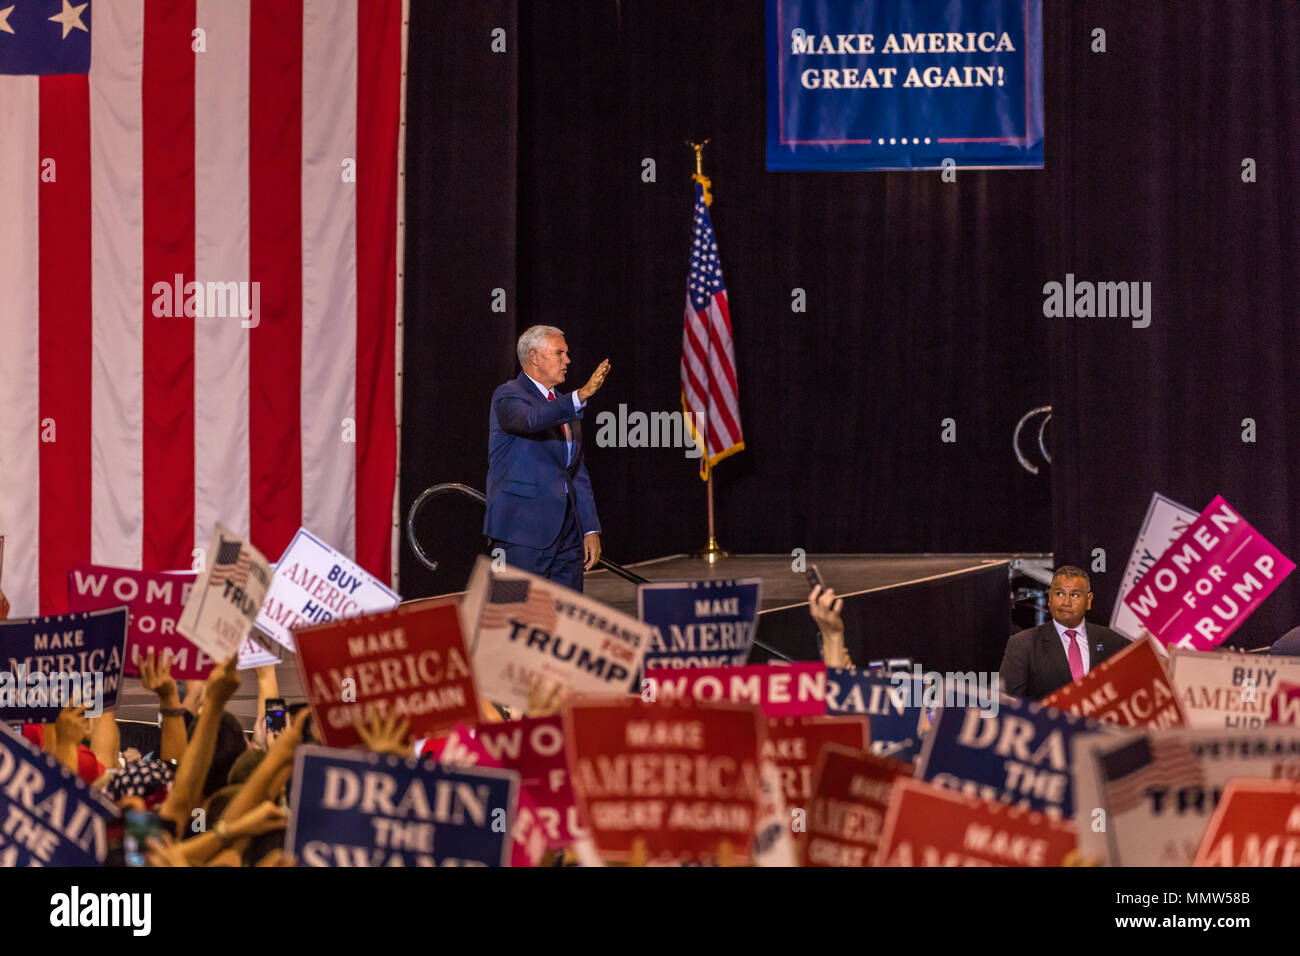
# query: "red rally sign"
{"type": "Point", "coordinates": [929, 826]}
{"type": "Point", "coordinates": [406, 662]}
{"type": "Point", "coordinates": [1257, 823]}
{"type": "Point", "coordinates": [847, 813]}
{"type": "Point", "coordinates": [795, 743]}
{"type": "Point", "coordinates": [1131, 689]}
{"type": "Point", "coordinates": [669, 782]}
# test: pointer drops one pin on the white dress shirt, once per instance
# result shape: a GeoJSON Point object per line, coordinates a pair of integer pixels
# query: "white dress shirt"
{"type": "Point", "coordinates": [1080, 637]}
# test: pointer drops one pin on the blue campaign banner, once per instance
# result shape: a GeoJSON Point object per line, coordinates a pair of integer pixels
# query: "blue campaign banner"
{"type": "Point", "coordinates": [48, 817]}
{"type": "Point", "coordinates": [1017, 752]}
{"type": "Point", "coordinates": [354, 808]}
{"type": "Point", "coordinates": [700, 623]}
{"type": "Point", "coordinates": [904, 84]}
{"type": "Point", "coordinates": [47, 663]}
{"type": "Point", "coordinates": [894, 710]}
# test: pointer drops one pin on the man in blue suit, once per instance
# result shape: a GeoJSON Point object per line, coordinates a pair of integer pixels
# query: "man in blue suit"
{"type": "Point", "coordinates": [540, 510]}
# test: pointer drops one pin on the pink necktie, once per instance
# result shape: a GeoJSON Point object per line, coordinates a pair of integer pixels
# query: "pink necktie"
{"type": "Point", "coordinates": [550, 397]}
{"type": "Point", "coordinates": [1075, 655]}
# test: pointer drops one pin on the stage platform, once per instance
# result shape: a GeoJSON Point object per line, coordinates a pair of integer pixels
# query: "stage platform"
{"type": "Point", "coordinates": [947, 611]}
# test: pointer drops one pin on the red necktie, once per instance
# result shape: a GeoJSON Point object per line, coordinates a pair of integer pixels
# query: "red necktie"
{"type": "Point", "coordinates": [550, 397]}
{"type": "Point", "coordinates": [1075, 655]}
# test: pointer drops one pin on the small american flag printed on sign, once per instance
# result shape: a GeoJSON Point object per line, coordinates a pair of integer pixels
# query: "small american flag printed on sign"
{"type": "Point", "coordinates": [1149, 763]}
{"type": "Point", "coordinates": [232, 561]}
{"type": "Point", "coordinates": [518, 599]}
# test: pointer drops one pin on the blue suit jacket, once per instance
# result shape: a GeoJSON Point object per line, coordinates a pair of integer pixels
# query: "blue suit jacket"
{"type": "Point", "coordinates": [529, 486]}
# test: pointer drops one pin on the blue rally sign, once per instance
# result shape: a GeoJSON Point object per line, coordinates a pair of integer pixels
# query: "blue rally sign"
{"type": "Point", "coordinates": [354, 808]}
{"type": "Point", "coordinates": [48, 817]}
{"type": "Point", "coordinates": [699, 623]}
{"type": "Point", "coordinates": [1016, 752]}
{"type": "Point", "coordinates": [904, 84]}
{"type": "Point", "coordinates": [893, 710]}
{"type": "Point", "coordinates": [47, 663]}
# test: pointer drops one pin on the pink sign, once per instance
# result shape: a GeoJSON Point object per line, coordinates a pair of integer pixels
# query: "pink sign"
{"type": "Point", "coordinates": [794, 690]}
{"type": "Point", "coordinates": [534, 747]}
{"type": "Point", "coordinates": [155, 600]}
{"type": "Point", "coordinates": [1284, 708]}
{"type": "Point", "coordinates": [1209, 580]}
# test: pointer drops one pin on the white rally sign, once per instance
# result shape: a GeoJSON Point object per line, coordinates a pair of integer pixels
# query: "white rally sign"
{"type": "Point", "coordinates": [1144, 799]}
{"type": "Point", "coordinates": [1220, 691]}
{"type": "Point", "coordinates": [529, 628]}
{"type": "Point", "coordinates": [227, 595]}
{"type": "Point", "coordinates": [315, 583]}
{"type": "Point", "coordinates": [1166, 519]}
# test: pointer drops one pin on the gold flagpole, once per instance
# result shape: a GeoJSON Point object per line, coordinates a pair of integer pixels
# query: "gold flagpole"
{"type": "Point", "coordinates": [712, 551]}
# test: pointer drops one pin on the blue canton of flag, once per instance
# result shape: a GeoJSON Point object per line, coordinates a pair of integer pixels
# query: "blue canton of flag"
{"type": "Point", "coordinates": [44, 37]}
{"type": "Point", "coordinates": [706, 271]}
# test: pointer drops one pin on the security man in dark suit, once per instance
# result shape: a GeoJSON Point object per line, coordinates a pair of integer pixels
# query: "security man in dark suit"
{"type": "Point", "coordinates": [1046, 658]}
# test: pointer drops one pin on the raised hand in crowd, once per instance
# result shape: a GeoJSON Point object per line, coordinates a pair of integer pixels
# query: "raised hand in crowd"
{"type": "Point", "coordinates": [545, 698]}
{"type": "Point", "coordinates": [158, 679]}
{"type": "Point", "coordinates": [267, 688]}
{"type": "Point", "coordinates": [387, 735]}
{"type": "Point", "coordinates": [64, 736]}
{"type": "Point", "coordinates": [187, 790]}
{"type": "Point", "coordinates": [825, 609]}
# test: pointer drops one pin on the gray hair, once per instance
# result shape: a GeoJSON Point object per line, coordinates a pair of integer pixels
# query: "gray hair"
{"type": "Point", "coordinates": [534, 337]}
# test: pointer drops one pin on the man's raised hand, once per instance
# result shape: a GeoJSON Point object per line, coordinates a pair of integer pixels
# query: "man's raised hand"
{"type": "Point", "coordinates": [595, 382]}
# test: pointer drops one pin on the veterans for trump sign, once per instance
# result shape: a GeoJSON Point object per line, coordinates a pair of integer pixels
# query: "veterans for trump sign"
{"type": "Point", "coordinates": [850, 796]}
{"type": "Point", "coordinates": [364, 809]}
{"type": "Point", "coordinates": [1020, 755]}
{"type": "Point", "coordinates": [226, 598]}
{"type": "Point", "coordinates": [155, 600]}
{"type": "Point", "coordinates": [927, 826]}
{"type": "Point", "coordinates": [1208, 581]}
{"type": "Point", "coordinates": [403, 663]}
{"type": "Point", "coordinates": [699, 623]}
{"type": "Point", "coordinates": [1130, 689]}
{"type": "Point", "coordinates": [59, 661]}
{"type": "Point", "coordinates": [1155, 792]}
{"type": "Point", "coordinates": [315, 583]}
{"type": "Point", "coordinates": [797, 690]}
{"type": "Point", "coordinates": [48, 817]}
{"type": "Point", "coordinates": [683, 777]}
{"type": "Point", "coordinates": [1219, 690]}
{"type": "Point", "coordinates": [531, 630]}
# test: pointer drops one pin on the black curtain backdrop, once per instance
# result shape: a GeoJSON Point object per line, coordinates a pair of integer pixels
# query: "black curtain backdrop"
{"type": "Point", "coordinates": [919, 303]}
{"type": "Point", "coordinates": [1150, 139]}
{"type": "Point", "coordinates": [924, 298]}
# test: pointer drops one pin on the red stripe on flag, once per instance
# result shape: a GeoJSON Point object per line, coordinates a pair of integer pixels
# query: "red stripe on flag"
{"type": "Point", "coordinates": [721, 349]}
{"type": "Point", "coordinates": [275, 260]}
{"type": "Point", "coordinates": [64, 334]}
{"type": "Point", "coordinates": [379, 53]}
{"type": "Point", "coordinates": [167, 100]}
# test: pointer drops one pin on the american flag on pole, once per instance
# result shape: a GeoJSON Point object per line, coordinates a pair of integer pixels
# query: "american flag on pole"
{"type": "Point", "coordinates": [199, 217]}
{"type": "Point", "coordinates": [520, 600]}
{"type": "Point", "coordinates": [1148, 763]}
{"type": "Point", "coordinates": [710, 396]}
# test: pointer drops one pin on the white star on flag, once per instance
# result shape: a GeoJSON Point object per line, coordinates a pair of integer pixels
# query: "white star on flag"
{"type": "Point", "coordinates": [4, 19]}
{"type": "Point", "coordinates": [70, 18]}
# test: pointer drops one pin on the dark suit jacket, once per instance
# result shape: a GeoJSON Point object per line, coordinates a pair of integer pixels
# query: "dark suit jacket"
{"type": "Point", "coordinates": [1035, 664]}
{"type": "Point", "coordinates": [529, 487]}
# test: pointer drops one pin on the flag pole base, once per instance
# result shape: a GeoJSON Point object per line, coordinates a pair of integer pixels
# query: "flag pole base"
{"type": "Point", "coordinates": [712, 552]}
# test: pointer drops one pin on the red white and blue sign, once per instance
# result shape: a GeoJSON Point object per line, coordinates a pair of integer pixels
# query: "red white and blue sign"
{"type": "Point", "coordinates": [904, 84]}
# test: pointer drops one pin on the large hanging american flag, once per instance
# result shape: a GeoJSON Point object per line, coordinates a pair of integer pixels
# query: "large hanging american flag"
{"type": "Point", "coordinates": [200, 222]}
{"type": "Point", "coordinates": [710, 397]}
